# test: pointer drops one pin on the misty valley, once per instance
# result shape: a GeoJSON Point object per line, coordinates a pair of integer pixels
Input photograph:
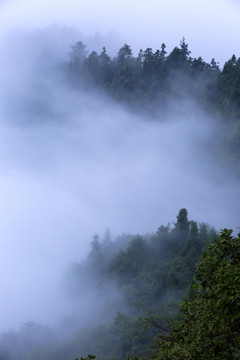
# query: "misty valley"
{"type": "Point", "coordinates": [147, 145]}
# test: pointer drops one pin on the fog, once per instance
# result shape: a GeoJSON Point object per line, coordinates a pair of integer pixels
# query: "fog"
{"type": "Point", "coordinates": [73, 163]}
{"type": "Point", "coordinates": [209, 27]}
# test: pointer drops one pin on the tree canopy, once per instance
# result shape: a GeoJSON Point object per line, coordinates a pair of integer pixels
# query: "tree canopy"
{"type": "Point", "coordinates": [209, 327]}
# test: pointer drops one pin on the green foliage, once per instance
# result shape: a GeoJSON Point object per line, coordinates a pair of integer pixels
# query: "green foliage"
{"type": "Point", "coordinates": [210, 324]}
{"type": "Point", "coordinates": [225, 91]}
{"type": "Point", "coordinates": [154, 272]}
{"type": "Point", "coordinates": [90, 357]}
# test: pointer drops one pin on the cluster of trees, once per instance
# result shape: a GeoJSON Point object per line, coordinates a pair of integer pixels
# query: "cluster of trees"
{"type": "Point", "coordinates": [154, 80]}
{"type": "Point", "coordinates": [152, 273]}
{"type": "Point", "coordinates": [208, 326]}
{"type": "Point", "coordinates": [149, 79]}
{"type": "Point", "coordinates": [155, 77]}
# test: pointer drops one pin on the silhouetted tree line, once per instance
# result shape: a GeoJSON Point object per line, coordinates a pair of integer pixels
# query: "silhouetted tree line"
{"type": "Point", "coordinates": [155, 80]}
{"type": "Point", "coordinates": [149, 79]}
{"type": "Point", "coordinates": [154, 77]}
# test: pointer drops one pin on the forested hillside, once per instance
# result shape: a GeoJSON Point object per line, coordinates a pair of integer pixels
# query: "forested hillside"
{"type": "Point", "coordinates": [157, 82]}
{"type": "Point", "coordinates": [208, 326]}
{"type": "Point", "coordinates": [152, 78]}
{"type": "Point", "coordinates": [152, 272]}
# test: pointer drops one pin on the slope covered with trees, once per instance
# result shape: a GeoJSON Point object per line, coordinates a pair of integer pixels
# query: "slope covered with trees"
{"type": "Point", "coordinates": [208, 326]}
{"type": "Point", "coordinates": [151, 272]}
{"type": "Point", "coordinates": [156, 81]}
{"type": "Point", "coordinates": [149, 80]}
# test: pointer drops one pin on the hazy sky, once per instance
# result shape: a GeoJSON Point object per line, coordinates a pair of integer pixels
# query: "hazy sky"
{"type": "Point", "coordinates": [210, 27]}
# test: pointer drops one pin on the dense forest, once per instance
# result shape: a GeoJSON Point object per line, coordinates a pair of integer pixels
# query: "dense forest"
{"type": "Point", "coordinates": [208, 325]}
{"type": "Point", "coordinates": [173, 293]}
{"type": "Point", "coordinates": [155, 82]}
{"type": "Point", "coordinates": [152, 272]}
{"type": "Point", "coordinates": [152, 79]}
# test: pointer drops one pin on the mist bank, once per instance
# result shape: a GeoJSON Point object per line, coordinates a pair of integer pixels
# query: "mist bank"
{"type": "Point", "coordinates": [75, 162]}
